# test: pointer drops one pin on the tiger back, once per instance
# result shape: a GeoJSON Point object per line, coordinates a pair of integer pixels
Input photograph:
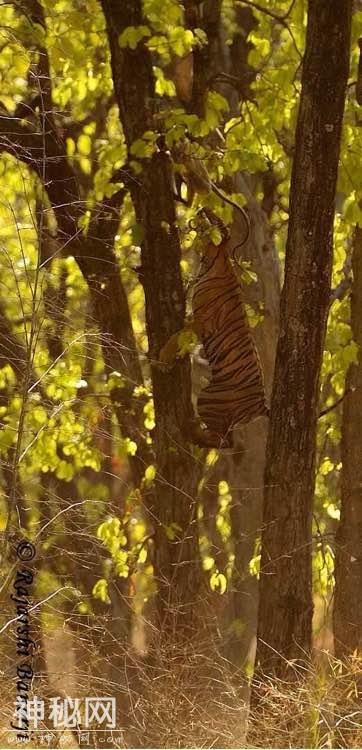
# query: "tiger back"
{"type": "Point", "coordinates": [235, 393]}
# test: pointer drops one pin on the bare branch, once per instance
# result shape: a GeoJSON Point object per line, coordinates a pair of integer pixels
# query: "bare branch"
{"type": "Point", "coordinates": [336, 403]}
{"type": "Point", "coordinates": [281, 19]}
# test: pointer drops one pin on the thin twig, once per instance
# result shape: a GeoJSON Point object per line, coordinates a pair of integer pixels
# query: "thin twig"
{"type": "Point", "coordinates": [276, 17]}
{"type": "Point", "coordinates": [336, 403]}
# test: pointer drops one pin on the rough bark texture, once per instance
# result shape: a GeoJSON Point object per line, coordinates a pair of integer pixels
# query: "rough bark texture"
{"type": "Point", "coordinates": [172, 506]}
{"type": "Point", "coordinates": [244, 469]}
{"type": "Point", "coordinates": [348, 572]}
{"type": "Point", "coordinates": [206, 58]}
{"type": "Point", "coordinates": [285, 612]}
{"type": "Point", "coordinates": [247, 469]}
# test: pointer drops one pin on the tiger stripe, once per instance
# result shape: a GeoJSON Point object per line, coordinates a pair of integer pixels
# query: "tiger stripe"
{"type": "Point", "coordinates": [235, 393]}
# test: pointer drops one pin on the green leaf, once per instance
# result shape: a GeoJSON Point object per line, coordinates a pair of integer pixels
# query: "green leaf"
{"type": "Point", "coordinates": [128, 447]}
{"type": "Point", "coordinates": [208, 562]}
{"type": "Point", "coordinates": [149, 412]}
{"type": "Point", "coordinates": [218, 582]}
{"type": "Point", "coordinates": [100, 591]}
{"type": "Point", "coordinates": [150, 474]}
{"type": "Point", "coordinates": [133, 35]}
{"type": "Point", "coordinates": [84, 144]}
{"type": "Point", "coordinates": [186, 342]}
{"type": "Point", "coordinates": [181, 40]}
{"type": "Point", "coordinates": [122, 568]}
{"type": "Point", "coordinates": [143, 148]}
{"type": "Point", "coordinates": [164, 86]}
{"type": "Point", "coordinates": [326, 467]}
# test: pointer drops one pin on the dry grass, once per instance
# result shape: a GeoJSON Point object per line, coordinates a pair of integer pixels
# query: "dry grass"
{"type": "Point", "coordinates": [320, 708]}
{"type": "Point", "coordinates": [189, 696]}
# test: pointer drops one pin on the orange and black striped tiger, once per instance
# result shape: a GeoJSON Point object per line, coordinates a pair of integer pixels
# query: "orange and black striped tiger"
{"type": "Point", "coordinates": [235, 393]}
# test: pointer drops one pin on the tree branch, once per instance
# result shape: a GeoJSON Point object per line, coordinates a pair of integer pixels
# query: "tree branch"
{"type": "Point", "coordinates": [43, 150]}
{"type": "Point", "coordinates": [281, 19]}
{"type": "Point", "coordinates": [12, 350]}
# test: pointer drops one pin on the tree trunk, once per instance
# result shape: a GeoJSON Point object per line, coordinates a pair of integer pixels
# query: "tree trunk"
{"type": "Point", "coordinates": [347, 615]}
{"type": "Point", "coordinates": [285, 611]}
{"type": "Point", "coordinates": [172, 507]}
{"type": "Point", "coordinates": [244, 469]}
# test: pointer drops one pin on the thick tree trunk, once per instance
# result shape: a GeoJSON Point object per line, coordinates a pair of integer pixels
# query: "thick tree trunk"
{"type": "Point", "coordinates": [285, 611]}
{"type": "Point", "coordinates": [172, 506]}
{"type": "Point", "coordinates": [347, 615]}
{"type": "Point", "coordinates": [244, 469]}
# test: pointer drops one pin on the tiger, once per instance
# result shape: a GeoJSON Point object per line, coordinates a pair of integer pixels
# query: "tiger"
{"type": "Point", "coordinates": [235, 393]}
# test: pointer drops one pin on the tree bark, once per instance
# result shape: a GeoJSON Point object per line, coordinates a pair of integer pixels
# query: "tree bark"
{"type": "Point", "coordinates": [244, 469]}
{"type": "Point", "coordinates": [347, 614]}
{"type": "Point", "coordinates": [172, 507]}
{"type": "Point", "coordinates": [285, 611]}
